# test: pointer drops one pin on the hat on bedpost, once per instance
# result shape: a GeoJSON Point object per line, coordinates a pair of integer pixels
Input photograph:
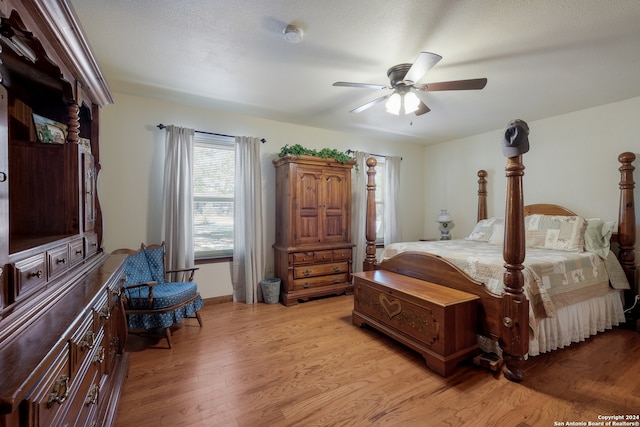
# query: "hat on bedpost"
{"type": "Point", "coordinates": [516, 138]}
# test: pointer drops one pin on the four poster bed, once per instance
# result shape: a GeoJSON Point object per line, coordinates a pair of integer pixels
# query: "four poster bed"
{"type": "Point", "coordinates": [524, 307]}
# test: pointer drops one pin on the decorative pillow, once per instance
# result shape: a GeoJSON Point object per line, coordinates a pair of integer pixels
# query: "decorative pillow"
{"type": "Point", "coordinates": [155, 258]}
{"type": "Point", "coordinates": [597, 236]}
{"type": "Point", "coordinates": [559, 232]}
{"type": "Point", "coordinates": [137, 269]}
{"type": "Point", "coordinates": [484, 229]}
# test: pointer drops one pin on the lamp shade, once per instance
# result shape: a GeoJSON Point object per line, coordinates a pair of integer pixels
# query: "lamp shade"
{"type": "Point", "coordinates": [444, 216]}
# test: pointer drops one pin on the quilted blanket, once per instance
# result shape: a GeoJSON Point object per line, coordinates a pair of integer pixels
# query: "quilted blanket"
{"type": "Point", "coordinates": [553, 279]}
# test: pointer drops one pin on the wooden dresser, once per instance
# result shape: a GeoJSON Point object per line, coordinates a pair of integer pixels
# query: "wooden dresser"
{"type": "Point", "coordinates": [62, 328]}
{"type": "Point", "coordinates": [313, 249]}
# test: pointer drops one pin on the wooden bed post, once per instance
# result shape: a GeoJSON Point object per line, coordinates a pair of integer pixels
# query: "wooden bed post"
{"type": "Point", "coordinates": [482, 195]}
{"type": "Point", "coordinates": [627, 222]}
{"type": "Point", "coordinates": [370, 224]}
{"type": "Point", "coordinates": [515, 307]}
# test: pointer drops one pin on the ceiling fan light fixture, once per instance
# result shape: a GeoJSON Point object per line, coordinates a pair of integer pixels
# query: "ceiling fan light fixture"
{"type": "Point", "coordinates": [394, 103]}
{"type": "Point", "coordinates": [292, 34]}
{"type": "Point", "coordinates": [402, 103]}
{"type": "Point", "coordinates": [411, 102]}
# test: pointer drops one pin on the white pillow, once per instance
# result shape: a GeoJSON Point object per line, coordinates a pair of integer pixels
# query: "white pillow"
{"type": "Point", "coordinates": [559, 232]}
{"type": "Point", "coordinates": [484, 229]}
{"type": "Point", "coordinates": [497, 238]}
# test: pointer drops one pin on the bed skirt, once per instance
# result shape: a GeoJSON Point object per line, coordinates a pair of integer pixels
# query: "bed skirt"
{"type": "Point", "coordinates": [574, 323]}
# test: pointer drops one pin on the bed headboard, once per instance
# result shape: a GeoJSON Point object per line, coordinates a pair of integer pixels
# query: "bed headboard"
{"type": "Point", "coordinates": [547, 209]}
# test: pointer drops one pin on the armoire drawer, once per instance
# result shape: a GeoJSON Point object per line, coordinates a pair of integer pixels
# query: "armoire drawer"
{"type": "Point", "coordinates": [303, 257]}
{"type": "Point", "coordinates": [320, 269]}
{"type": "Point", "coordinates": [341, 254]}
{"type": "Point", "coordinates": [319, 281]}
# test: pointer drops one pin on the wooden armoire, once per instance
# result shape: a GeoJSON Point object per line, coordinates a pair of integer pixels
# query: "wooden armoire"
{"type": "Point", "coordinates": [62, 327]}
{"type": "Point", "coordinates": [313, 249]}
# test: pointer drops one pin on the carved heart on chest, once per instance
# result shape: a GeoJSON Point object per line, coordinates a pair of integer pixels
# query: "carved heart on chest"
{"type": "Point", "coordinates": [392, 308]}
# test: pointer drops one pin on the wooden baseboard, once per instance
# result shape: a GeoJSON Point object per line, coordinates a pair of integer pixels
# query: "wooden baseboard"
{"type": "Point", "coordinates": [218, 300]}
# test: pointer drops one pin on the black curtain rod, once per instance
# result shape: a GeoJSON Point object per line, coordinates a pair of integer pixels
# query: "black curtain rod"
{"type": "Point", "coordinates": [371, 154]}
{"type": "Point", "coordinates": [161, 126]}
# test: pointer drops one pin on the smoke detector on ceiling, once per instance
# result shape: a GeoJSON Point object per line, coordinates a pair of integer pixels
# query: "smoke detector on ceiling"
{"type": "Point", "coordinates": [292, 34]}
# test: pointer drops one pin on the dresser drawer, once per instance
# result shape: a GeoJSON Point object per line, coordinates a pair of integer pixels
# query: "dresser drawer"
{"type": "Point", "coordinates": [91, 243]}
{"type": "Point", "coordinates": [82, 411]}
{"type": "Point", "coordinates": [49, 401]}
{"type": "Point", "coordinates": [101, 310]}
{"type": "Point", "coordinates": [86, 387]}
{"type": "Point", "coordinates": [57, 261]}
{"type": "Point", "coordinates": [319, 281]}
{"type": "Point", "coordinates": [29, 274]}
{"type": "Point", "coordinates": [76, 252]}
{"type": "Point", "coordinates": [320, 269]}
{"type": "Point", "coordinates": [83, 341]}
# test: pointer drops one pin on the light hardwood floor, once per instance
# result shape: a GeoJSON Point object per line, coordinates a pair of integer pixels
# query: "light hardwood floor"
{"type": "Point", "coordinates": [307, 365]}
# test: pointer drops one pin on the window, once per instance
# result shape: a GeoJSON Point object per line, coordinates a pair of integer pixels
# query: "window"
{"type": "Point", "coordinates": [213, 195]}
{"type": "Point", "coordinates": [379, 177]}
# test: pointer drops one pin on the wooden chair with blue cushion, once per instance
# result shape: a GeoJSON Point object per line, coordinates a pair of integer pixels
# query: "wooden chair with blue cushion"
{"type": "Point", "coordinates": [155, 298]}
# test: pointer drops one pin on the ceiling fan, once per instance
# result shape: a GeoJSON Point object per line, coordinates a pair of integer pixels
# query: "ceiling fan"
{"type": "Point", "coordinates": [404, 83]}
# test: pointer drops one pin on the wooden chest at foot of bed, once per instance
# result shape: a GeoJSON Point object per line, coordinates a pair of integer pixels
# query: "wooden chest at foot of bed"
{"type": "Point", "coordinates": [436, 321]}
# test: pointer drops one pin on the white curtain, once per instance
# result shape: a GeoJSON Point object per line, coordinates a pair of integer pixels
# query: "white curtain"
{"type": "Point", "coordinates": [359, 209]}
{"type": "Point", "coordinates": [248, 248]}
{"type": "Point", "coordinates": [177, 198]}
{"type": "Point", "coordinates": [391, 200]}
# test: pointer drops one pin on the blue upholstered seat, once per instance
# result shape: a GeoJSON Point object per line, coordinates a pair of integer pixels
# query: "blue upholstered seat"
{"type": "Point", "coordinates": [150, 301]}
{"type": "Point", "coordinates": [165, 295]}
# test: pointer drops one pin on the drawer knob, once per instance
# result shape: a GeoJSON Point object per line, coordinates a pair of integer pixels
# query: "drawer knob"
{"type": "Point", "coordinates": [37, 274]}
{"type": "Point", "coordinates": [307, 272]}
{"type": "Point", "coordinates": [337, 269]}
{"type": "Point", "coordinates": [61, 261]}
{"type": "Point", "coordinates": [60, 391]}
{"type": "Point", "coordinates": [306, 285]}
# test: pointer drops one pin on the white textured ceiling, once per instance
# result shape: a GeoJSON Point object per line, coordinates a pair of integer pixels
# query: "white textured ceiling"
{"type": "Point", "coordinates": [541, 57]}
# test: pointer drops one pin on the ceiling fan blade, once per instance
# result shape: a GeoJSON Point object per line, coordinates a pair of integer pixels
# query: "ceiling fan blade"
{"type": "Point", "coordinates": [363, 85]}
{"type": "Point", "coordinates": [423, 63]}
{"type": "Point", "coordinates": [453, 85]}
{"type": "Point", "coordinates": [422, 109]}
{"type": "Point", "coordinates": [370, 104]}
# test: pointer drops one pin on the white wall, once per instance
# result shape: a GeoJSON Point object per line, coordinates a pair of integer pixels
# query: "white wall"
{"type": "Point", "coordinates": [572, 162]}
{"type": "Point", "coordinates": [132, 156]}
